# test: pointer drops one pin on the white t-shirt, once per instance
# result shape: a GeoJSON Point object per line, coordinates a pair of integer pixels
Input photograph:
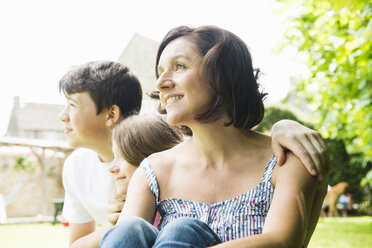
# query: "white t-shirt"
{"type": "Point", "coordinates": [88, 185]}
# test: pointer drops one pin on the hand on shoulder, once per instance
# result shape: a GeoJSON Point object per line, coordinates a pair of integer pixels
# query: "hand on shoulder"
{"type": "Point", "coordinates": [295, 173]}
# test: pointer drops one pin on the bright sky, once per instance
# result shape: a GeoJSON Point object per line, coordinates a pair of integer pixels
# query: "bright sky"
{"type": "Point", "coordinates": [41, 39]}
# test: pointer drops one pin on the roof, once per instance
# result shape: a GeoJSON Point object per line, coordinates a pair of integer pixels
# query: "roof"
{"type": "Point", "coordinates": [140, 55]}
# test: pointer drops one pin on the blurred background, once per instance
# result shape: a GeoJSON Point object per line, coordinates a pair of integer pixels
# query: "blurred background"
{"type": "Point", "coordinates": [316, 63]}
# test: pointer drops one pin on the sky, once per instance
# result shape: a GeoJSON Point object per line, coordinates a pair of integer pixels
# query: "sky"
{"type": "Point", "coordinates": [41, 39]}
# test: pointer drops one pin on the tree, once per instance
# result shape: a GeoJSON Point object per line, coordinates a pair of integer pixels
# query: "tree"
{"type": "Point", "coordinates": [275, 114]}
{"type": "Point", "coordinates": [344, 166]}
{"type": "Point", "coordinates": [336, 37]}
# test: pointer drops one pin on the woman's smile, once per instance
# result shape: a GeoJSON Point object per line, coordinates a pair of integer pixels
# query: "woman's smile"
{"type": "Point", "coordinates": [172, 99]}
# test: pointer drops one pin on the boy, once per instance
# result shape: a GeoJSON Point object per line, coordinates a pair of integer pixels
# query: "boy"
{"type": "Point", "coordinates": [98, 94]}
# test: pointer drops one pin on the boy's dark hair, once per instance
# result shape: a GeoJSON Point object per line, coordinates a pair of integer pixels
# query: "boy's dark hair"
{"type": "Point", "coordinates": [139, 136]}
{"type": "Point", "coordinates": [107, 83]}
{"type": "Point", "coordinates": [227, 68]}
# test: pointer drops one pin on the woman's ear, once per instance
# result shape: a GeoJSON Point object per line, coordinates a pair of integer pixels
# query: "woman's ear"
{"type": "Point", "coordinates": [113, 115]}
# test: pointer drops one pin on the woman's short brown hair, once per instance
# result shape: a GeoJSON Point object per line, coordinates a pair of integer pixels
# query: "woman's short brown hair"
{"type": "Point", "coordinates": [227, 68]}
{"type": "Point", "coordinates": [138, 136]}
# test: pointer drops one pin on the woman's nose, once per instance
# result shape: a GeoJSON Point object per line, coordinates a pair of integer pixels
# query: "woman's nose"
{"type": "Point", "coordinates": [164, 82]}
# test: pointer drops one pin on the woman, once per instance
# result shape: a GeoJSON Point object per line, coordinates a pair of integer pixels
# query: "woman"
{"type": "Point", "coordinates": [221, 185]}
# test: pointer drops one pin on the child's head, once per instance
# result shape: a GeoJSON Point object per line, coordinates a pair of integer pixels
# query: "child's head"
{"type": "Point", "coordinates": [98, 94]}
{"type": "Point", "coordinates": [107, 83]}
{"type": "Point", "coordinates": [135, 138]}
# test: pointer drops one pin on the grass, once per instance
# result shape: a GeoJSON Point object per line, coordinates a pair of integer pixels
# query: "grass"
{"type": "Point", "coordinates": [343, 233]}
{"type": "Point", "coordinates": [330, 232]}
{"type": "Point", "coordinates": [43, 235]}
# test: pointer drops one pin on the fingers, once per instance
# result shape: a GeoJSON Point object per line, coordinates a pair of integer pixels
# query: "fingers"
{"type": "Point", "coordinates": [278, 152]}
{"type": "Point", "coordinates": [114, 193]}
{"type": "Point", "coordinates": [316, 153]}
{"type": "Point", "coordinates": [113, 211]}
{"type": "Point", "coordinates": [113, 218]}
{"type": "Point", "coordinates": [300, 145]}
{"type": "Point", "coordinates": [113, 207]}
{"type": "Point", "coordinates": [120, 198]}
{"type": "Point", "coordinates": [305, 143]}
{"type": "Point", "coordinates": [324, 153]}
{"type": "Point", "coordinates": [303, 150]}
{"type": "Point", "coordinates": [319, 154]}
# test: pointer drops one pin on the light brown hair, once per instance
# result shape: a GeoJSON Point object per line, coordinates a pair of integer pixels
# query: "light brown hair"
{"type": "Point", "coordinates": [139, 136]}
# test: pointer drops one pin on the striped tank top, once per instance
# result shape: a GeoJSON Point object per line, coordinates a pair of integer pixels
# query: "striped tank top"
{"type": "Point", "coordinates": [231, 219]}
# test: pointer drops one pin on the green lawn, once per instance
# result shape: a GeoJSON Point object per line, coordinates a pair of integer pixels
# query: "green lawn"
{"type": "Point", "coordinates": [33, 236]}
{"type": "Point", "coordinates": [330, 232]}
{"type": "Point", "coordinates": [343, 232]}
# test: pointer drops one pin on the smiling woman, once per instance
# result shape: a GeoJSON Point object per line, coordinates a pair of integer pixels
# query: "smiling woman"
{"type": "Point", "coordinates": [221, 186]}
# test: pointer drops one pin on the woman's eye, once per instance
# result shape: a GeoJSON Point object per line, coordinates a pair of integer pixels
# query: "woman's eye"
{"type": "Point", "coordinates": [180, 67]}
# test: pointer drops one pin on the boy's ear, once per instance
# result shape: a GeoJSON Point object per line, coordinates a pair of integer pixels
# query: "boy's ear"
{"type": "Point", "coordinates": [113, 116]}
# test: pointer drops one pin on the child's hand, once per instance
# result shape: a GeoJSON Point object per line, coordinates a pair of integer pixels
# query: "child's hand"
{"type": "Point", "coordinates": [114, 207]}
{"type": "Point", "coordinates": [305, 143]}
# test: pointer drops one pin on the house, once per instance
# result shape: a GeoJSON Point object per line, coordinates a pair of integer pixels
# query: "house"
{"type": "Point", "coordinates": [139, 56]}
{"type": "Point", "coordinates": [35, 120]}
{"type": "Point", "coordinates": [34, 131]}
{"type": "Point", "coordinates": [36, 134]}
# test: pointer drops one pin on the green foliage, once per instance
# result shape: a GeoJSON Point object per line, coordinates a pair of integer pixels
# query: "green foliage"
{"type": "Point", "coordinates": [336, 37]}
{"type": "Point", "coordinates": [273, 115]}
{"type": "Point", "coordinates": [27, 163]}
{"type": "Point", "coordinates": [367, 179]}
{"type": "Point", "coordinates": [345, 167]}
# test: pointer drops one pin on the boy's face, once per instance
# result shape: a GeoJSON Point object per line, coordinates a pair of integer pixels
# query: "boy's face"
{"type": "Point", "coordinates": [121, 170]}
{"type": "Point", "coordinates": [82, 126]}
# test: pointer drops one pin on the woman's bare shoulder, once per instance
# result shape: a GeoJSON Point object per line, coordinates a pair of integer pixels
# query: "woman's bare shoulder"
{"type": "Point", "coordinates": [293, 170]}
{"type": "Point", "coordinates": [164, 160]}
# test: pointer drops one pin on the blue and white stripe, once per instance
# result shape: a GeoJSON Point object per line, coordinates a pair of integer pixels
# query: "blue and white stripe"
{"type": "Point", "coordinates": [235, 218]}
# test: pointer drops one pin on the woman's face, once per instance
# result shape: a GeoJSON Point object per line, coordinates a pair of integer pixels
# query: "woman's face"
{"type": "Point", "coordinates": [122, 171]}
{"type": "Point", "coordinates": [183, 92]}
